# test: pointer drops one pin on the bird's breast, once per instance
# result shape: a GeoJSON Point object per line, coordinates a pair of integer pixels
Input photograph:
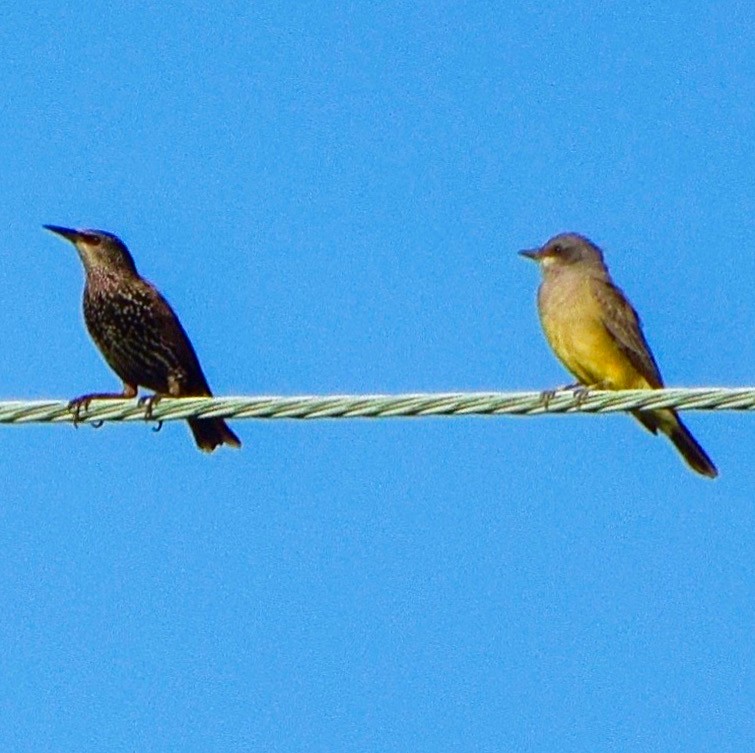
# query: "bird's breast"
{"type": "Point", "coordinates": [574, 325]}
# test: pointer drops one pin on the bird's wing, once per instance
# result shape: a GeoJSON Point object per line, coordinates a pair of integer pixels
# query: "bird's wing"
{"type": "Point", "coordinates": [623, 324]}
{"type": "Point", "coordinates": [174, 341]}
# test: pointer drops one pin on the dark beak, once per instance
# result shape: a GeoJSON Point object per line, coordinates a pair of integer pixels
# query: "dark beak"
{"type": "Point", "coordinates": [531, 253]}
{"type": "Point", "coordinates": [66, 232]}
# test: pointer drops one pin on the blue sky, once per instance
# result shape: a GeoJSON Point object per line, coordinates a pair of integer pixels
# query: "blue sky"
{"type": "Point", "coordinates": [332, 197]}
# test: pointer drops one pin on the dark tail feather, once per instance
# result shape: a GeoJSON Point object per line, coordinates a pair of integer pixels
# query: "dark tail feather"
{"type": "Point", "coordinates": [690, 450]}
{"type": "Point", "coordinates": [209, 433]}
{"type": "Point", "coordinates": [671, 425]}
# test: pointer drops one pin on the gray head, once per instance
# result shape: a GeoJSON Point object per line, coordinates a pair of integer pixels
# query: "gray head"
{"type": "Point", "coordinates": [565, 250]}
{"type": "Point", "coordinates": [99, 251]}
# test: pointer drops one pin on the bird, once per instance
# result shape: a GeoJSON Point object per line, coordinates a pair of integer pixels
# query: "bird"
{"type": "Point", "coordinates": [597, 335]}
{"type": "Point", "coordinates": [138, 333]}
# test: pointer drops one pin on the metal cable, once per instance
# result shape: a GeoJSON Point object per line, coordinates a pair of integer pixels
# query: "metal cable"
{"type": "Point", "coordinates": [385, 406]}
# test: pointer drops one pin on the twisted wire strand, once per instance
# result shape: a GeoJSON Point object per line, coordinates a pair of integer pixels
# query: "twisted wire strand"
{"type": "Point", "coordinates": [384, 406]}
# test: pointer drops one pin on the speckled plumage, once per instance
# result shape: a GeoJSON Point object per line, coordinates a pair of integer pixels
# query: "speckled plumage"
{"type": "Point", "coordinates": [137, 331]}
{"type": "Point", "coordinates": [140, 336]}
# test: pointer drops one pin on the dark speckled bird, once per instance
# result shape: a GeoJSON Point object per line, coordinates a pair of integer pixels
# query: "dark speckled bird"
{"type": "Point", "coordinates": [138, 333]}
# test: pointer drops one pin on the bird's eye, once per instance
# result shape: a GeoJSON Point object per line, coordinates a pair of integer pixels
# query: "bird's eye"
{"type": "Point", "coordinates": [93, 240]}
{"type": "Point", "coordinates": [557, 249]}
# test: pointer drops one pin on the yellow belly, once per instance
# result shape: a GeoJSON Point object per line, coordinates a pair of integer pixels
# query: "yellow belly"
{"type": "Point", "coordinates": [576, 332]}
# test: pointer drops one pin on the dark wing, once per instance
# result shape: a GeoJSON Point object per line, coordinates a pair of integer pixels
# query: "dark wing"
{"type": "Point", "coordinates": [171, 339]}
{"type": "Point", "coordinates": [623, 324]}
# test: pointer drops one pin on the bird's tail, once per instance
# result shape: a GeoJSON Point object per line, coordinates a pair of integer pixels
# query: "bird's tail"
{"type": "Point", "coordinates": [689, 448]}
{"type": "Point", "coordinates": [209, 433]}
{"type": "Point", "coordinates": [671, 425]}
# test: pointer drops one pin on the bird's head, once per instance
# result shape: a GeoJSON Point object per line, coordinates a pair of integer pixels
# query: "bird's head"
{"type": "Point", "coordinates": [565, 250]}
{"type": "Point", "coordinates": [99, 251]}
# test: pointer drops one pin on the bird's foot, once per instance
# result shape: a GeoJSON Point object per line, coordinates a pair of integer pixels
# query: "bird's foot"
{"type": "Point", "coordinates": [149, 402]}
{"type": "Point", "coordinates": [80, 405]}
{"type": "Point", "coordinates": [582, 391]}
{"type": "Point", "coordinates": [547, 395]}
{"type": "Point", "coordinates": [77, 406]}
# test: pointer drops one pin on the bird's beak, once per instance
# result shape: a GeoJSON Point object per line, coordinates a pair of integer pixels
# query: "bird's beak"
{"type": "Point", "coordinates": [531, 253]}
{"type": "Point", "coordinates": [65, 232]}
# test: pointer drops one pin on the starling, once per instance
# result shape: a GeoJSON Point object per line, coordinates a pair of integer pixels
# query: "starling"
{"type": "Point", "coordinates": [138, 333]}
